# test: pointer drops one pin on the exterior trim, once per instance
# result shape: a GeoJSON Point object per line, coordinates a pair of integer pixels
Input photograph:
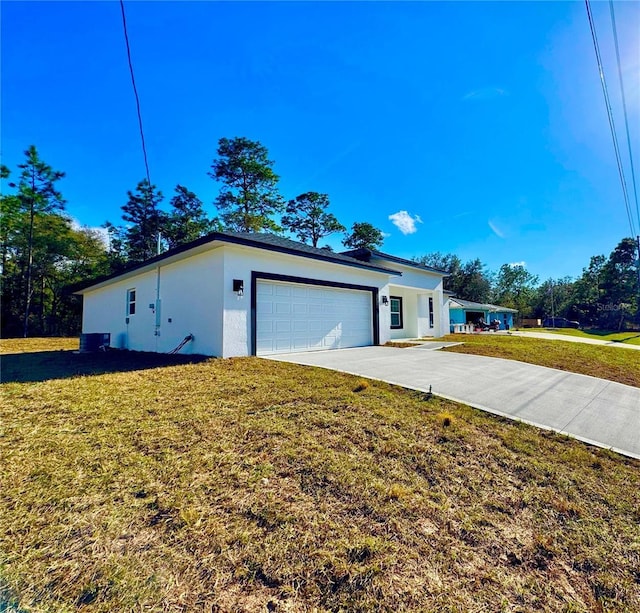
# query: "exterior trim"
{"type": "Point", "coordinates": [334, 258]}
{"type": "Point", "coordinates": [401, 325]}
{"type": "Point", "coordinates": [367, 254]}
{"type": "Point", "coordinates": [268, 276]}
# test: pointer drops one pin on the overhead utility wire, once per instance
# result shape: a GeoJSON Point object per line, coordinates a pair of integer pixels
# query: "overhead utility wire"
{"type": "Point", "coordinates": [135, 91]}
{"type": "Point", "coordinates": [624, 109]}
{"type": "Point", "coordinates": [610, 116]}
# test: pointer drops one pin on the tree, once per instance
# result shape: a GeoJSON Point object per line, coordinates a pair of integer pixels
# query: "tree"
{"type": "Point", "coordinates": [10, 211]}
{"type": "Point", "coordinates": [515, 288]}
{"type": "Point", "coordinates": [248, 197]}
{"type": "Point", "coordinates": [62, 255]}
{"type": "Point", "coordinates": [307, 218]}
{"type": "Point", "coordinates": [38, 196]}
{"type": "Point", "coordinates": [619, 284]}
{"type": "Point", "coordinates": [587, 292]}
{"type": "Point", "coordinates": [468, 281]}
{"type": "Point", "coordinates": [447, 262]}
{"type": "Point", "coordinates": [364, 236]}
{"type": "Point", "coordinates": [187, 221]}
{"type": "Point", "coordinates": [555, 297]}
{"type": "Point", "coordinates": [146, 222]}
{"type": "Point", "coordinates": [116, 250]}
{"type": "Point", "coordinates": [474, 282]}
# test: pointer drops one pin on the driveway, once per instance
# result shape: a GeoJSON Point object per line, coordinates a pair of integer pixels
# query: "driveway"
{"type": "Point", "coordinates": [594, 410]}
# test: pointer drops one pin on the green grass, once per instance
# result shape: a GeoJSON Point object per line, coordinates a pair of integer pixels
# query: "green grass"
{"type": "Point", "coordinates": [621, 365]}
{"type": "Point", "coordinates": [250, 485]}
{"type": "Point", "coordinates": [629, 338]}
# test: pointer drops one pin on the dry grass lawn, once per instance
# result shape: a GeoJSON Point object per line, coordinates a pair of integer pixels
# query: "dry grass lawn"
{"type": "Point", "coordinates": [613, 363]}
{"type": "Point", "coordinates": [250, 485]}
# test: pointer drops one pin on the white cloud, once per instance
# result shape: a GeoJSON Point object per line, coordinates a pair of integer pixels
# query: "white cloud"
{"type": "Point", "coordinates": [521, 264]}
{"type": "Point", "coordinates": [404, 222]}
{"type": "Point", "coordinates": [101, 232]}
{"type": "Point", "coordinates": [497, 231]}
{"type": "Point", "coordinates": [385, 234]}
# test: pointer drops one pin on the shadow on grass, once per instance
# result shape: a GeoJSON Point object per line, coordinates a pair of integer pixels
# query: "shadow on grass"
{"type": "Point", "coordinates": [624, 340]}
{"type": "Point", "coordinates": [608, 332]}
{"type": "Point", "coordinates": [46, 365]}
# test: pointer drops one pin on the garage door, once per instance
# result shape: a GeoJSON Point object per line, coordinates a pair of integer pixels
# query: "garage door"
{"type": "Point", "coordinates": [294, 317]}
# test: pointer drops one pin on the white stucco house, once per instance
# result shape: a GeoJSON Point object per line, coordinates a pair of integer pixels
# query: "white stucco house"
{"type": "Point", "coordinates": [241, 294]}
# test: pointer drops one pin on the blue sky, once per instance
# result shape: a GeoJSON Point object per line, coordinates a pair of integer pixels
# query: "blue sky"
{"type": "Point", "coordinates": [481, 126]}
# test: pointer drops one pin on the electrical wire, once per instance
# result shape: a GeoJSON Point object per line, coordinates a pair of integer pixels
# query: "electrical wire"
{"type": "Point", "coordinates": [612, 127]}
{"type": "Point", "coordinates": [624, 110]}
{"type": "Point", "coordinates": [135, 91]}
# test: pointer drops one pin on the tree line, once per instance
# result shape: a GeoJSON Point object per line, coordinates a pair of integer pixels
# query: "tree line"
{"type": "Point", "coordinates": [44, 252]}
{"type": "Point", "coordinates": [604, 296]}
{"type": "Point", "coordinates": [248, 201]}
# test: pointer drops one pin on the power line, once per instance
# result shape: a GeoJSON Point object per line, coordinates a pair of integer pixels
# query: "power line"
{"type": "Point", "coordinates": [624, 109]}
{"type": "Point", "coordinates": [610, 116]}
{"type": "Point", "coordinates": [135, 91]}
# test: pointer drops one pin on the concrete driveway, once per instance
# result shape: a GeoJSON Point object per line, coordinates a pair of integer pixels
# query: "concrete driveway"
{"type": "Point", "coordinates": [594, 410]}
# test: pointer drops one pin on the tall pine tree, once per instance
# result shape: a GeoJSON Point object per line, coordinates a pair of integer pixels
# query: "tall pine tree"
{"type": "Point", "coordinates": [187, 220]}
{"type": "Point", "coordinates": [249, 197]}
{"type": "Point", "coordinates": [146, 222]}
{"type": "Point", "coordinates": [308, 219]}
{"type": "Point", "coordinates": [38, 196]}
{"type": "Point", "coordinates": [364, 236]}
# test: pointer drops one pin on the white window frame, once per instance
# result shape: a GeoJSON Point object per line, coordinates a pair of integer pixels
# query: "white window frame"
{"type": "Point", "coordinates": [398, 312]}
{"type": "Point", "coordinates": [131, 303]}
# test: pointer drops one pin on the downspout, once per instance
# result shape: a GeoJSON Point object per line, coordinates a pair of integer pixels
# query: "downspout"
{"type": "Point", "coordinates": [157, 304]}
{"type": "Point", "coordinates": [157, 308]}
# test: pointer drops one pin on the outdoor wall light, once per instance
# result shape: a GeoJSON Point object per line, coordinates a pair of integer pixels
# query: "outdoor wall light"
{"type": "Point", "coordinates": [238, 287]}
{"type": "Point", "coordinates": [385, 300]}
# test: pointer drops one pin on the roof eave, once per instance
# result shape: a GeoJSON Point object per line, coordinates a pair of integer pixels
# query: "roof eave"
{"type": "Point", "coordinates": [234, 240]}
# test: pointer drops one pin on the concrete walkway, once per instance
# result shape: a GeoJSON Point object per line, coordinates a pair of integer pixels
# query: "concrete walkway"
{"type": "Point", "coordinates": [552, 336]}
{"type": "Point", "coordinates": [594, 410]}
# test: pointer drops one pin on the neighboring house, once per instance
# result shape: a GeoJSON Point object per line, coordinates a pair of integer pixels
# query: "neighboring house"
{"type": "Point", "coordinates": [258, 294]}
{"type": "Point", "coordinates": [467, 312]}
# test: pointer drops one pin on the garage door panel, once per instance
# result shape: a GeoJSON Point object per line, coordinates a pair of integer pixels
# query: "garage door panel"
{"type": "Point", "coordinates": [264, 308]}
{"type": "Point", "coordinates": [264, 327]}
{"type": "Point", "coordinates": [282, 290]}
{"type": "Point", "coordinates": [297, 317]}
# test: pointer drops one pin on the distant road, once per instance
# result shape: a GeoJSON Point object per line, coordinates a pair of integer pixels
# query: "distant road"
{"type": "Point", "coordinates": [550, 336]}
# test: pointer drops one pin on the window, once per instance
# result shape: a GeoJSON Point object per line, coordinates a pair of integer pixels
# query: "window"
{"type": "Point", "coordinates": [131, 302]}
{"type": "Point", "coordinates": [396, 312]}
{"type": "Point", "coordinates": [431, 312]}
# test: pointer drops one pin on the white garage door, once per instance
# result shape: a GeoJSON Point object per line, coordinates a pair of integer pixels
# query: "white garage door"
{"type": "Point", "coordinates": [294, 317]}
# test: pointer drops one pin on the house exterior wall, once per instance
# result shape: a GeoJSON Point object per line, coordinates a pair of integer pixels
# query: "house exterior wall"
{"type": "Point", "coordinates": [458, 316]}
{"type": "Point", "coordinates": [240, 262]}
{"type": "Point", "coordinates": [194, 295]}
{"type": "Point", "coordinates": [409, 313]}
{"type": "Point", "coordinates": [105, 310]}
{"type": "Point", "coordinates": [416, 287]}
{"type": "Point", "coordinates": [509, 319]}
{"type": "Point", "coordinates": [188, 295]}
{"type": "Point", "coordinates": [191, 295]}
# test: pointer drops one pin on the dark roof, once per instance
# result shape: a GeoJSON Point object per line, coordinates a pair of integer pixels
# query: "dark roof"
{"type": "Point", "coordinates": [269, 242]}
{"type": "Point", "coordinates": [467, 304]}
{"type": "Point", "coordinates": [366, 254]}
